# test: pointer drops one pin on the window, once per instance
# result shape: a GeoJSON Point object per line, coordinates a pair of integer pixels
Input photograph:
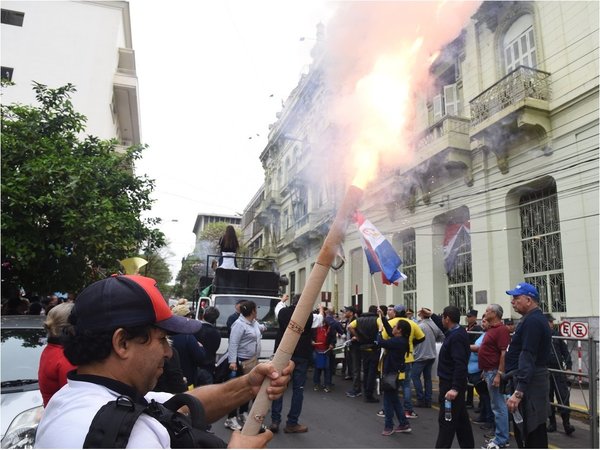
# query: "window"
{"type": "Point", "coordinates": [541, 247]}
{"type": "Point", "coordinates": [457, 254]}
{"type": "Point", "coordinates": [7, 73]}
{"type": "Point", "coordinates": [12, 17]}
{"type": "Point", "coordinates": [447, 101]}
{"type": "Point", "coordinates": [519, 44]}
{"type": "Point", "coordinates": [409, 268]}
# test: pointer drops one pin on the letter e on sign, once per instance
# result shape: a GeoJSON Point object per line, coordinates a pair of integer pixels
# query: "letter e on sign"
{"type": "Point", "coordinates": [579, 329]}
{"type": "Point", "coordinates": [565, 329]}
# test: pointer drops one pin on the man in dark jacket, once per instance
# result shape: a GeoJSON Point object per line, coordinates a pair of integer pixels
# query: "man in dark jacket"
{"type": "Point", "coordinates": [364, 331]}
{"type": "Point", "coordinates": [559, 359]}
{"type": "Point", "coordinates": [452, 373]}
{"type": "Point", "coordinates": [527, 360]}
{"type": "Point", "coordinates": [302, 355]}
{"type": "Point", "coordinates": [210, 338]}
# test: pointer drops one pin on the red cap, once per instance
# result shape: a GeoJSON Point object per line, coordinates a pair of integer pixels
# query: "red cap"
{"type": "Point", "coordinates": [127, 301]}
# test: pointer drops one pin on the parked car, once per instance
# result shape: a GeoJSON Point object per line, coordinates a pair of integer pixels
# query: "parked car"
{"type": "Point", "coordinates": [23, 339]}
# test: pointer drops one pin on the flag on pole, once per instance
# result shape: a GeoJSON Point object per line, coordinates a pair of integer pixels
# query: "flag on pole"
{"type": "Point", "coordinates": [454, 238]}
{"type": "Point", "coordinates": [381, 256]}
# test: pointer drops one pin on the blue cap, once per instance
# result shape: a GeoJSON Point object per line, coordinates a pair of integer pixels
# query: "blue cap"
{"type": "Point", "coordinates": [399, 309]}
{"type": "Point", "coordinates": [525, 289]}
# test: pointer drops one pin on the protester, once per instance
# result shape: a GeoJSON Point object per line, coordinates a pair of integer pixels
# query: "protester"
{"type": "Point", "coordinates": [282, 304]}
{"type": "Point", "coordinates": [559, 359]}
{"type": "Point", "coordinates": [425, 355]}
{"type": "Point", "coordinates": [492, 354]}
{"type": "Point", "coordinates": [485, 416]}
{"type": "Point", "coordinates": [54, 366]}
{"type": "Point", "coordinates": [228, 246]}
{"type": "Point", "coordinates": [473, 327]}
{"type": "Point", "coordinates": [526, 363]}
{"type": "Point", "coordinates": [300, 357]}
{"type": "Point", "coordinates": [364, 331]}
{"type": "Point", "coordinates": [452, 373]}
{"type": "Point", "coordinates": [243, 353]}
{"type": "Point", "coordinates": [416, 338]}
{"type": "Point", "coordinates": [210, 338]}
{"type": "Point", "coordinates": [323, 343]}
{"type": "Point", "coordinates": [395, 352]}
{"type": "Point", "coordinates": [351, 367]}
{"type": "Point", "coordinates": [191, 352]}
{"type": "Point", "coordinates": [119, 343]}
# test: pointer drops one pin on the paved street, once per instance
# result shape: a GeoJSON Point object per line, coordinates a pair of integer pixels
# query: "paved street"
{"type": "Point", "coordinates": [336, 421]}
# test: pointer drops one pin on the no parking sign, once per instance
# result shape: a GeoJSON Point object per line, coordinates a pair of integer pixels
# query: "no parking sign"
{"type": "Point", "coordinates": [573, 329]}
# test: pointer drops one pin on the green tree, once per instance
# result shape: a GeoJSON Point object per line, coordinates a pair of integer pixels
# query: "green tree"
{"type": "Point", "coordinates": [71, 206]}
{"type": "Point", "coordinates": [186, 284]}
{"type": "Point", "coordinates": [158, 269]}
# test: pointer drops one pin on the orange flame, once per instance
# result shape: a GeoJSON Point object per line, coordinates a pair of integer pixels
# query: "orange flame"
{"type": "Point", "coordinates": [385, 97]}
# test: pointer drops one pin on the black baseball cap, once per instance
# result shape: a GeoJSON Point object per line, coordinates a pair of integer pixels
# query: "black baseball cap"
{"type": "Point", "coordinates": [127, 301]}
{"type": "Point", "coordinates": [472, 313]}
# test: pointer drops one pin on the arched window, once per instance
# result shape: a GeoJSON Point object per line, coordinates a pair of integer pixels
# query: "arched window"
{"type": "Point", "coordinates": [519, 44]}
{"type": "Point", "coordinates": [541, 246]}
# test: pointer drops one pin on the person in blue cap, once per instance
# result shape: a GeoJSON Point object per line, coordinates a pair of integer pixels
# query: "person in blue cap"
{"type": "Point", "coordinates": [526, 365]}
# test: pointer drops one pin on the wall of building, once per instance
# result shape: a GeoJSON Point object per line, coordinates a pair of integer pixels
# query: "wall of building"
{"type": "Point", "coordinates": [64, 42]}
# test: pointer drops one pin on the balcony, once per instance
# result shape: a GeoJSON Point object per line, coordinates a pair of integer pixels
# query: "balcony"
{"type": "Point", "coordinates": [448, 143]}
{"type": "Point", "coordinates": [511, 111]}
{"type": "Point", "coordinates": [125, 98]}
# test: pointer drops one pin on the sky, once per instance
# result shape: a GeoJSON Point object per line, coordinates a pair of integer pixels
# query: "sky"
{"type": "Point", "coordinates": [212, 75]}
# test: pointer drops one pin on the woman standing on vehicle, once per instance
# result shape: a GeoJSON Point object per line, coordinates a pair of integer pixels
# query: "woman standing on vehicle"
{"type": "Point", "coordinates": [54, 366]}
{"type": "Point", "coordinates": [244, 349]}
{"type": "Point", "coordinates": [228, 245]}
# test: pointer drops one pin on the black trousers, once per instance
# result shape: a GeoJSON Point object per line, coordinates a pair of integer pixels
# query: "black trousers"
{"type": "Point", "coordinates": [460, 425]}
{"type": "Point", "coordinates": [537, 438]}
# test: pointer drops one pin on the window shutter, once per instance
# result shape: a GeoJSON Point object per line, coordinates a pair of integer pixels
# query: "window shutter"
{"type": "Point", "coordinates": [437, 108]}
{"type": "Point", "coordinates": [451, 99]}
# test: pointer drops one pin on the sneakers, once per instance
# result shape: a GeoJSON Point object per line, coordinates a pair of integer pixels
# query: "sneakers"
{"type": "Point", "coordinates": [387, 432]}
{"type": "Point", "coordinates": [233, 424]}
{"type": "Point", "coordinates": [569, 429]}
{"type": "Point", "coordinates": [347, 377]}
{"type": "Point", "coordinates": [403, 428]}
{"type": "Point", "coordinates": [353, 394]}
{"type": "Point", "coordinates": [327, 389]}
{"type": "Point", "coordinates": [316, 388]}
{"type": "Point", "coordinates": [295, 428]}
{"type": "Point", "coordinates": [274, 427]}
{"type": "Point", "coordinates": [242, 419]}
{"type": "Point", "coordinates": [492, 445]}
{"type": "Point", "coordinates": [410, 414]}
{"type": "Point", "coordinates": [381, 413]}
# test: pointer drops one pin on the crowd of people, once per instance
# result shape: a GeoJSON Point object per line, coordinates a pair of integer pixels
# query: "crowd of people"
{"type": "Point", "coordinates": [120, 338]}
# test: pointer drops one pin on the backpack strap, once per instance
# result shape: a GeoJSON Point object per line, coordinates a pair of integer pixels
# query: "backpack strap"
{"type": "Point", "coordinates": [113, 423]}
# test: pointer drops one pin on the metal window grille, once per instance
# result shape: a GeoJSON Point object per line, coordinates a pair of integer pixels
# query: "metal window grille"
{"type": "Point", "coordinates": [541, 248]}
{"type": "Point", "coordinates": [460, 278]}
{"type": "Point", "coordinates": [409, 268]}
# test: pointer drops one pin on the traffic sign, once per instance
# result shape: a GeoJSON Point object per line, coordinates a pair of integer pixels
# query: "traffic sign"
{"type": "Point", "coordinates": [565, 328]}
{"type": "Point", "coordinates": [579, 330]}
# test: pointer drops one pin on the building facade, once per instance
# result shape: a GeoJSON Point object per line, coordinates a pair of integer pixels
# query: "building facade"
{"type": "Point", "coordinates": [52, 43]}
{"type": "Point", "coordinates": [503, 186]}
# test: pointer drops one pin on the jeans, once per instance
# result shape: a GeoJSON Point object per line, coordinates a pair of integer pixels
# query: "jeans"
{"type": "Point", "coordinates": [391, 405]}
{"type": "Point", "coordinates": [498, 407]}
{"type": "Point", "coordinates": [422, 367]}
{"type": "Point", "coordinates": [406, 390]}
{"type": "Point", "coordinates": [298, 382]}
{"type": "Point", "coordinates": [326, 372]}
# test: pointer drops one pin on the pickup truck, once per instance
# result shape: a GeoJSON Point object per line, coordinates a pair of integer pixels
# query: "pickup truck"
{"type": "Point", "coordinates": [231, 285]}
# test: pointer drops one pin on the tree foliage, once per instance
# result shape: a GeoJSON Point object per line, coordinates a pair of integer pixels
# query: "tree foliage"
{"type": "Point", "coordinates": [158, 269]}
{"type": "Point", "coordinates": [71, 206]}
{"type": "Point", "coordinates": [188, 277]}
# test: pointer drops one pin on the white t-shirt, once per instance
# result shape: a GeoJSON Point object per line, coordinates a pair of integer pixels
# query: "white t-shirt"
{"type": "Point", "coordinates": [69, 414]}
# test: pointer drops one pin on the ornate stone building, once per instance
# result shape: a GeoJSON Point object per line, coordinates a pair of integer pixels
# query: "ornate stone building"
{"type": "Point", "coordinates": [503, 186]}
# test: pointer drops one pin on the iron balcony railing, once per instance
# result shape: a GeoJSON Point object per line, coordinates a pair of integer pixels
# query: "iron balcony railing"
{"type": "Point", "coordinates": [443, 127]}
{"type": "Point", "coordinates": [523, 82]}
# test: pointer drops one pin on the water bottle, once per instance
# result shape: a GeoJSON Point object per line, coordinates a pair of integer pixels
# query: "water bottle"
{"type": "Point", "coordinates": [233, 374]}
{"type": "Point", "coordinates": [517, 416]}
{"type": "Point", "coordinates": [448, 410]}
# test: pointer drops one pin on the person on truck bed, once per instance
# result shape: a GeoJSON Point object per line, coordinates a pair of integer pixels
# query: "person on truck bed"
{"type": "Point", "coordinates": [228, 245]}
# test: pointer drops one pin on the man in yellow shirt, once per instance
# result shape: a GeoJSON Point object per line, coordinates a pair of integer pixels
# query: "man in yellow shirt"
{"type": "Point", "coordinates": [416, 337]}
